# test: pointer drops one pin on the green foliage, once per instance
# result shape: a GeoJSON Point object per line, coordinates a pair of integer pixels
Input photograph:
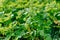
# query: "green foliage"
{"type": "Point", "coordinates": [29, 20]}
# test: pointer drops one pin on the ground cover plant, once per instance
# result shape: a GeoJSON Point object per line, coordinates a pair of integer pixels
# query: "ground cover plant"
{"type": "Point", "coordinates": [29, 20]}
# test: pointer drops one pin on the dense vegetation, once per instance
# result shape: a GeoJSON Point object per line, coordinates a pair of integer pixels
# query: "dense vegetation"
{"type": "Point", "coordinates": [29, 20]}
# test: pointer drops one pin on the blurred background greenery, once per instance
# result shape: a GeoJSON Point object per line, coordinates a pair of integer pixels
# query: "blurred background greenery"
{"type": "Point", "coordinates": [29, 20]}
